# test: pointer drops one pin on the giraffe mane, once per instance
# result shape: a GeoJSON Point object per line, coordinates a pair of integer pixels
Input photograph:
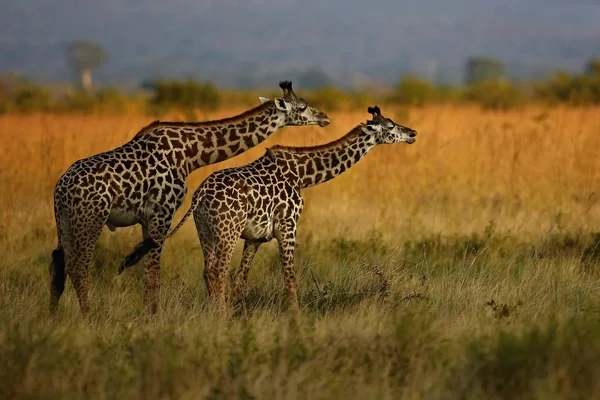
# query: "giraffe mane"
{"type": "Point", "coordinates": [218, 122]}
{"type": "Point", "coordinates": [322, 147]}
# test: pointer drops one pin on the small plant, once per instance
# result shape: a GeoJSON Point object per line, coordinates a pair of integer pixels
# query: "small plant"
{"type": "Point", "coordinates": [384, 283]}
{"type": "Point", "coordinates": [502, 310]}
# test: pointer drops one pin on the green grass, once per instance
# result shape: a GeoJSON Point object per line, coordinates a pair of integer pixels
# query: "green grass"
{"type": "Point", "coordinates": [484, 316]}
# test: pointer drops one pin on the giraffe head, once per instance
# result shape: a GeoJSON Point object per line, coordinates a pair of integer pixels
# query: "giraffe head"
{"type": "Point", "coordinates": [387, 131]}
{"type": "Point", "coordinates": [296, 110]}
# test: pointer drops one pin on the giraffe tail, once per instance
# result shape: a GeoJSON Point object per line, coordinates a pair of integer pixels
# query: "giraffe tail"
{"type": "Point", "coordinates": [195, 202]}
{"type": "Point", "coordinates": [57, 270]}
{"type": "Point", "coordinates": [137, 254]}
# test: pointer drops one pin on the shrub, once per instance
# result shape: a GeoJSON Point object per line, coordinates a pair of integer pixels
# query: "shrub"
{"type": "Point", "coordinates": [414, 90]}
{"type": "Point", "coordinates": [495, 95]}
{"type": "Point", "coordinates": [184, 95]}
{"type": "Point", "coordinates": [578, 90]}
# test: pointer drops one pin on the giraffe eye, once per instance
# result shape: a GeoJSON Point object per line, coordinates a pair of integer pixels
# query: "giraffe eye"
{"type": "Point", "coordinates": [302, 107]}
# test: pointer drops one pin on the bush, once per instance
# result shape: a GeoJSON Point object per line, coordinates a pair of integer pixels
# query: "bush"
{"type": "Point", "coordinates": [495, 95]}
{"type": "Point", "coordinates": [414, 90]}
{"type": "Point", "coordinates": [577, 90]}
{"type": "Point", "coordinates": [78, 101]}
{"type": "Point", "coordinates": [184, 95]}
{"type": "Point", "coordinates": [30, 99]}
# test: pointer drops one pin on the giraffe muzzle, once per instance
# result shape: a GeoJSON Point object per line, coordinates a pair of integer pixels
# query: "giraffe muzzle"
{"type": "Point", "coordinates": [324, 121]}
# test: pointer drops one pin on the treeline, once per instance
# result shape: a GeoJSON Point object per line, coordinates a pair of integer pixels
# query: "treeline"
{"type": "Point", "coordinates": [485, 84]}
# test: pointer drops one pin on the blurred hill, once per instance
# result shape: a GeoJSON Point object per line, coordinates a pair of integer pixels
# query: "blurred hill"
{"type": "Point", "coordinates": [245, 43]}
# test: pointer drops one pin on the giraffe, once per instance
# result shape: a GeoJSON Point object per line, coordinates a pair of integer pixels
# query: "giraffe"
{"type": "Point", "coordinates": [262, 200]}
{"type": "Point", "coordinates": [143, 182]}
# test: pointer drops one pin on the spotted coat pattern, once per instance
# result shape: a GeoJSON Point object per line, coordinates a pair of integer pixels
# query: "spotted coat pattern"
{"type": "Point", "coordinates": [262, 200]}
{"type": "Point", "coordinates": [143, 182]}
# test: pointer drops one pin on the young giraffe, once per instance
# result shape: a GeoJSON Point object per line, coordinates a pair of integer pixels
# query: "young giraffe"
{"type": "Point", "coordinates": [143, 182]}
{"type": "Point", "coordinates": [261, 201]}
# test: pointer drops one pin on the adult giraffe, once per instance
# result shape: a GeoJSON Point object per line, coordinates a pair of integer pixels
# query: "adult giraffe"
{"type": "Point", "coordinates": [143, 182]}
{"type": "Point", "coordinates": [262, 201]}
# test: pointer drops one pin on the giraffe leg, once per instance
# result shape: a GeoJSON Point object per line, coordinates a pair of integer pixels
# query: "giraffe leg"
{"type": "Point", "coordinates": [208, 251]}
{"type": "Point", "coordinates": [152, 280]}
{"type": "Point", "coordinates": [241, 275]}
{"type": "Point", "coordinates": [219, 225]}
{"type": "Point", "coordinates": [156, 229]}
{"type": "Point", "coordinates": [78, 263]}
{"type": "Point", "coordinates": [224, 253]}
{"type": "Point", "coordinates": [209, 273]}
{"type": "Point", "coordinates": [286, 240]}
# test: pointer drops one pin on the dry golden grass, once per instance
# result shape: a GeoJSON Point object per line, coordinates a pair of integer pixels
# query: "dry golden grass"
{"type": "Point", "coordinates": [526, 170]}
{"type": "Point", "coordinates": [408, 248]}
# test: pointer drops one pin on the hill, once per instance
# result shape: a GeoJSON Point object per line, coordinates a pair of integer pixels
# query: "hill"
{"type": "Point", "coordinates": [249, 43]}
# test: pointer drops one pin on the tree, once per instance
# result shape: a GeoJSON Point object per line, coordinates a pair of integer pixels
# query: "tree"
{"type": "Point", "coordinates": [593, 67]}
{"type": "Point", "coordinates": [478, 69]}
{"type": "Point", "coordinates": [414, 90]}
{"type": "Point", "coordinates": [185, 95]}
{"type": "Point", "coordinates": [84, 56]}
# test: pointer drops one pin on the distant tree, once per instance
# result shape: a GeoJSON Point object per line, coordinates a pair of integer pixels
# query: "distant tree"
{"type": "Point", "coordinates": [495, 95]}
{"type": "Point", "coordinates": [314, 78]}
{"type": "Point", "coordinates": [185, 95]}
{"type": "Point", "coordinates": [11, 83]}
{"type": "Point", "coordinates": [414, 90]}
{"type": "Point", "coordinates": [478, 69]}
{"type": "Point", "coordinates": [84, 56]}
{"type": "Point", "coordinates": [593, 67]}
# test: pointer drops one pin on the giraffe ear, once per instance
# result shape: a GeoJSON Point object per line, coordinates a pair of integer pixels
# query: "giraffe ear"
{"type": "Point", "coordinates": [263, 99]}
{"type": "Point", "coordinates": [282, 105]}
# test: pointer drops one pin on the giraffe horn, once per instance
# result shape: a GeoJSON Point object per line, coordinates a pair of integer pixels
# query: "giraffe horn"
{"type": "Point", "coordinates": [286, 86]}
{"type": "Point", "coordinates": [375, 111]}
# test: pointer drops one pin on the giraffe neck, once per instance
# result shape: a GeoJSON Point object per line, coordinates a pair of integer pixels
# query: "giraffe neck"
{"type": "Point", "coordinates": [198, 144]}
{"type": "Point", "coordinates": [319, 164]}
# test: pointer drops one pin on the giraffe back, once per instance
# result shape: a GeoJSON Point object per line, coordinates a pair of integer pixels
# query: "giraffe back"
{"type": "Point", "coordinates": [256, 195]}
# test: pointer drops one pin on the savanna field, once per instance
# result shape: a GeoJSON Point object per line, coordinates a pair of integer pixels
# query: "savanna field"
{"type": "Point", "coordinates": [466, 265]}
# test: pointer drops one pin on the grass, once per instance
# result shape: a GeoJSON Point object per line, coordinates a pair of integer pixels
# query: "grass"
{"type": "Point", "coordinates": [463, 266]}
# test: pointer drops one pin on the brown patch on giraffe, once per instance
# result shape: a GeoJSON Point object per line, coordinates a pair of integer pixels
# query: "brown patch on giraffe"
{"type": "Point", "coordinates": [172, 134]}
{"type": "Point", "coordinates": [191, 151]}
{"type": "Point", "coordinates": [164, 144]}
{"type": "Point", "coordinates": [249, 141]}
{"type": "Point", "coordinates": [310, 168]}
{"type": "Point", "coordinates": [207, 141]}
{"type": "Point", "coordinates": [221, 155]}
{"type": "Point", "coordinates": [319, 164]}
{"type": "Point", "coordinates": [205, 157]}
{"type": "Point", "coordinates": [233, 136]}
{"type": "Point", "coordinates": [334, 161]}
{"type": "Point", "coordinates": [235, 147]}
{"type": "Point", "coordinates": [179, 157]}
{"type": "Point", "coordinates": [221, 142]}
